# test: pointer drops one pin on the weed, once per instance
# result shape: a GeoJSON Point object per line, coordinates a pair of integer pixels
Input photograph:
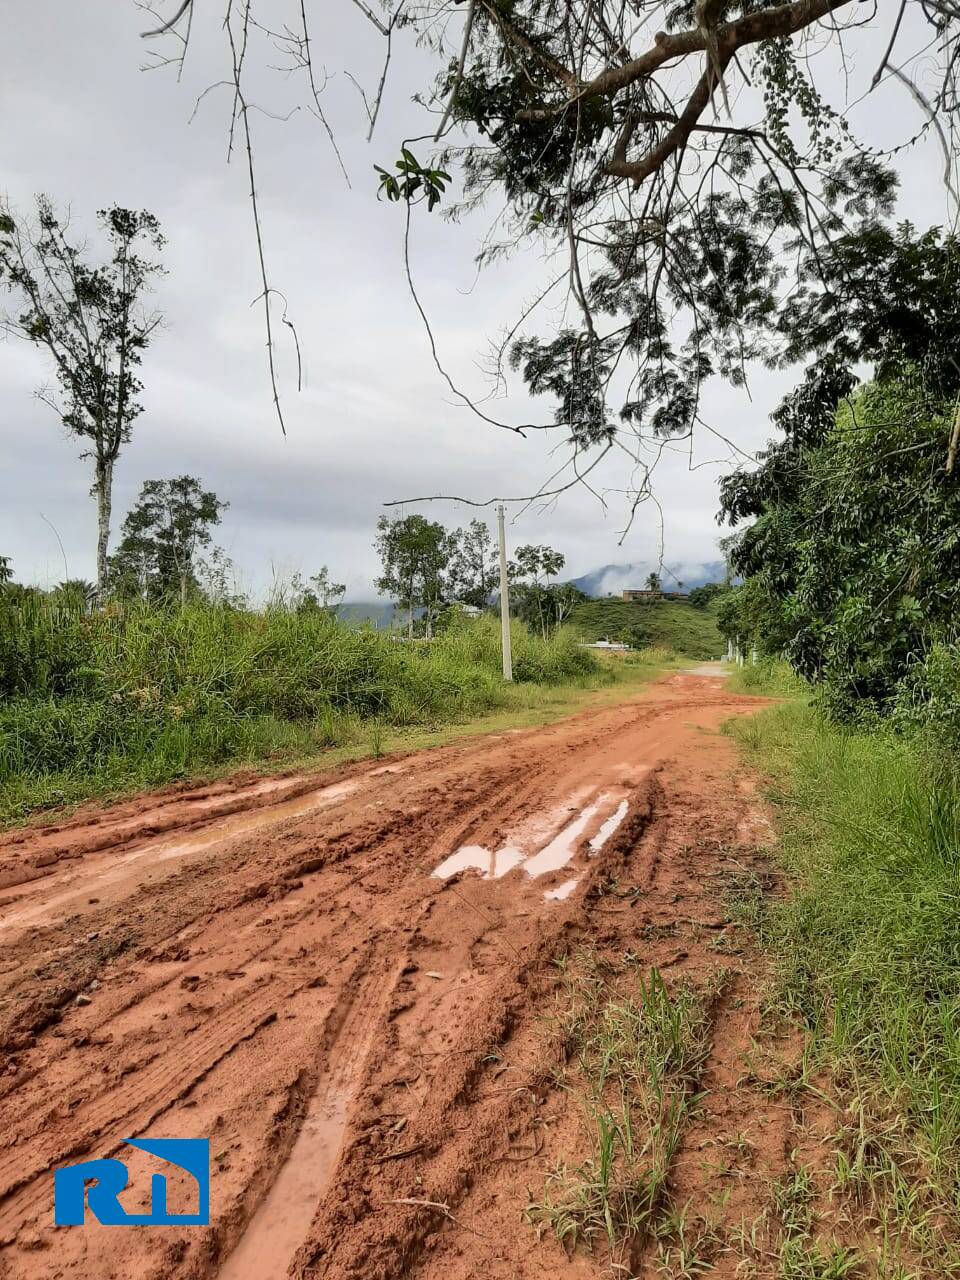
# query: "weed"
{"type": "Point", "coordinates": [377, 733]}
{"type": "Point", "coordinates": [688, 1246]}
{"type": "Point", "coordinates": [638, 1050]}
{"type": "Point", "coordinates": [800, 1260]}
{"type": "Point", "coordinates": [793, 1201]}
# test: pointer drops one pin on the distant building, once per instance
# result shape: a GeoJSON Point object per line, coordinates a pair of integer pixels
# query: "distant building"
{"type": "Point", "coordinates": [640, 595]}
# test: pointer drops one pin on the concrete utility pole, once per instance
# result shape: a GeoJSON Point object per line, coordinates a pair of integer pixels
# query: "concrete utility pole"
{"type": "Point", "coordinates": [504, 599]}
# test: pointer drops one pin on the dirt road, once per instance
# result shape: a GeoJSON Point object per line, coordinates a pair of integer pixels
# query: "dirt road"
{"type": "Point", "coordinates": [343, 982]}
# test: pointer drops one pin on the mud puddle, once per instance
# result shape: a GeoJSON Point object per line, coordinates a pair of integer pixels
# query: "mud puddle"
{"type": "Point", "coordinates": [542, 859]}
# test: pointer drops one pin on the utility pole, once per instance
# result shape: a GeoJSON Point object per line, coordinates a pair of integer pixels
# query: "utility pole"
{"type": "Point", "coordinates": [504, 600]}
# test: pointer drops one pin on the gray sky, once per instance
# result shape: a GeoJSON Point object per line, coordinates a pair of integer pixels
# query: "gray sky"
{"type": "Point", "coordinates": [374, 422]}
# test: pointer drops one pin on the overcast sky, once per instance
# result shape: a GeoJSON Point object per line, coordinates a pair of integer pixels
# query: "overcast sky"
{"type": "Point", "coordinates": [374, 422]}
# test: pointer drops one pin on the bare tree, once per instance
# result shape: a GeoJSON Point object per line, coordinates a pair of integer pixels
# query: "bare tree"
{"type": "Point", "coordinates": [90, 321]}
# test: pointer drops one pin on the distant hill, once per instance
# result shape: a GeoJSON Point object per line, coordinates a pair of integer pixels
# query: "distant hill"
{"type": "Point", "coordinates": [672, 623]}
{"type": "Point", "coordinates": [612, 579]}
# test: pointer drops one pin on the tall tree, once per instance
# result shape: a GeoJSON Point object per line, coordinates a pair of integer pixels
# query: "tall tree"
{"type": "Point", "coordinates": [415, 554]}
{"type": "Point", "coordinates": [319, 592]}
{"type": "Point", "coordinates": [530, 573]}
{"type": "Point", "coordinates": [6, 573]}
{"type": "Point", "coordinates": [162, 534]}
{"type": "Point", "coordinates": [473, 568]}
{"type": "Point", "coordinates": [89, 319]}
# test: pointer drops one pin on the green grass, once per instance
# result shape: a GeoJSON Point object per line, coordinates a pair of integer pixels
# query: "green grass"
{"type": "Point", "coordinates": [671, 624]}
{"type": "Point", "coordinates": [127, 698]}
{"type": "Point", "coordinates": [867, 950]}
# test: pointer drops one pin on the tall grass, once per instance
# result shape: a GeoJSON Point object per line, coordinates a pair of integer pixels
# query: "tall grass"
{"type": "Point", "coordinates": [143, 694]}
{"type": "Point", "coordinates": [868, 944]}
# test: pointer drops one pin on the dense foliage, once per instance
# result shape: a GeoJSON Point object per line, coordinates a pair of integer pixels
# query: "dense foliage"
{"type": "Point", "coordinates": [851, 563]}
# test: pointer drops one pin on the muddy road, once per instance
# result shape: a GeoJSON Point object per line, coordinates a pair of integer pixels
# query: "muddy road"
{"type": "Point", "coordinates": [343, 981]}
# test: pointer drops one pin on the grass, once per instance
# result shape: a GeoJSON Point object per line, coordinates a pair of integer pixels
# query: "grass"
{"type": "Point", "coordinates": [768, 678]}
{"type": "Point", "coordinates": [134, 697]}
{"type": "Point", "coordinates": [867, 951]}
{"type": "Point", "coordinates": [634, 1051]}
{"type": "Point", "coordinates": [672, 624]}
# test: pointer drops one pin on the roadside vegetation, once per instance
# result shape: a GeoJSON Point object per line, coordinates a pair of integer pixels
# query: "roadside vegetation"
{"type": "Point", "coordinates": [867, 956]}
{"type": "Point", "coordinates": [846, 549]}
{"type": "Point", "coordinates": [138, 694]}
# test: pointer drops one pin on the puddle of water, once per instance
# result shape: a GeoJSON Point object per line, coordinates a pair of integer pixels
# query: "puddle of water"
{"type": "Point", "coordinates": [556, 853]}
{"type": "Point", "coordinates": [163, 851]}
{"type": "Point", "coordinates": [559, 851]}
{"type": "Point", "coordinates": [563, 890]}
{"type": "Point", "coordinates": [474, 857]}
{"type": "Point", "coordinates": [609, 826]}
{"type": "Point", "coordinates": [279, 1226]}
{"type": "Point", "coordinates": [242, 823]}
{"type": "Point", "coordinates": [505, 860]}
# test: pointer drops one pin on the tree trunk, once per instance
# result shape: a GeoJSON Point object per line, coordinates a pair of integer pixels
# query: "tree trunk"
{"type": "Point", "coordinates": [103, 492]}
{"type": "Point", "coordinates": [183, 590]}
{"type": "Point", "coordinates": [410, 614]}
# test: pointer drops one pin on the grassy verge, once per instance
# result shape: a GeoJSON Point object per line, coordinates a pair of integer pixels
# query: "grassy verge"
{"type": "Point", "coordinates": [867, 954]}
{"type": "Point", "coordinates": [768, 678]}
{"type": "Point", "coordinates": [128, 698]}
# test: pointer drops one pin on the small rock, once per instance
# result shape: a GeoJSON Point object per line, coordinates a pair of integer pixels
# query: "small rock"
{"type": "Point", "coordinates": [95, 985]}
{"type": "Point", "coordinates": [82, 1000]}
{"type": "Point", "coordinates": [432, 973]}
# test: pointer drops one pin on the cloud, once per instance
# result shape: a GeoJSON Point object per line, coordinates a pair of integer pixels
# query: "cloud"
{"type": "Point", "coordinates": [375, 421]}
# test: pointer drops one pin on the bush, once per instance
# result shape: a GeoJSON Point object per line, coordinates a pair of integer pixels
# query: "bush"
{"type": "Point", "coordinates": [928, 697]}
{"type": "Point", "coordinates": [768, 676]}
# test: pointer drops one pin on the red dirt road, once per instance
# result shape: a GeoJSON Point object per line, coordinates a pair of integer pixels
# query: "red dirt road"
{"type": "Point", "coordinates": [274, 965]}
